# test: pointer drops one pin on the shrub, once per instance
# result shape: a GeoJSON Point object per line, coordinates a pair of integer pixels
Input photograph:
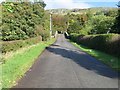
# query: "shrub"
{"type": "Point", "coordinates": [73, 36]}
{"type": "Point", "coordinates": [108, 43]}
{"type": "Point", "coordinates": [19, 20]}
{"type": "Point", "coordinates": [44, 33]}
{"type": "Point", "coordinates": [8, 46]}
{"type": "Point", "coordinates": [101, 24]}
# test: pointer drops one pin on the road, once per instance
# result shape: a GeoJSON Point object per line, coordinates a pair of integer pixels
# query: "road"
{"type": "Point", "coordinates": [63, 65]}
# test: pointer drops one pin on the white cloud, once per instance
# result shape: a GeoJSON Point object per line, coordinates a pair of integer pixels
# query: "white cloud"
{"type": "Point", "coordinates": [52, 4]}
{"type": "Point", "coordinates": [2, 1]}
{"type": "Point", "coordinates": [97, 0]}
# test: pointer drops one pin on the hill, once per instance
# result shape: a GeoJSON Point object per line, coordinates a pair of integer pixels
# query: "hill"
{"type": "Point", "coordinates": [79, 11]}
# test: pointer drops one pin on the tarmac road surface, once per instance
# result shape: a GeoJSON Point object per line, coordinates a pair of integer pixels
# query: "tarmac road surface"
{"type": "Point", "coordinates": [63, 65]}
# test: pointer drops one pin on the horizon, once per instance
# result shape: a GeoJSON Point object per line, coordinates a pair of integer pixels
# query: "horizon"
{"type": "Point", "coordinates": [80, 4]}
{"type": "Point", "coordinates": [71, 4]}
{"type": "Point", "coordinates": [81, 9]}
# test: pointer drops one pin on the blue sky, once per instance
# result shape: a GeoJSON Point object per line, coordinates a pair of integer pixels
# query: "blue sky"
{"type": "Point", "coordinates": [69, 4]}
{"type": "Point", "coordinates": [102, 4]}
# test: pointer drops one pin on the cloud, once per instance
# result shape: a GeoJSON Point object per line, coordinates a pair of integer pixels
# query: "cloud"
{"type": "Point", "coordinates": [2, 1]}
{"type": "Point", "coordinates": [96, 0]}
{"type": "Point", "coordinates": [68, 4]}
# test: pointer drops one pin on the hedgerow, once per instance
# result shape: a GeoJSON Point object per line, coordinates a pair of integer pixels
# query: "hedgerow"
{"type": "Point", "coordinates": [8, 46]}
{"type": "Point", "coordinates": [20, 20]}
{"type": "Point", "coordinates": [108, 43]}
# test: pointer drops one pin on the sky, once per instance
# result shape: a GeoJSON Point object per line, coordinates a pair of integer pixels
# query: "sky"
{"type": "Point", "coordinates": [70, 4]}
{"type": "Point", "coordinates": [82, 4]}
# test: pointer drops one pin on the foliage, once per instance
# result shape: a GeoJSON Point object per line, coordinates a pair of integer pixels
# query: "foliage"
{"type": "Point", "coordinates": [108, 43]}
{"type": "Point", "coordinates": [15, 67]}
{"type": "Point", "coordinates": [44, 33]}
{"type": "Point", "coordinates": [116, 26]}
{"type": "Point", "coordinates": [19, 20]}
{"type": "Point", "coordinates": [76, 23]}
{"type": "Point", "coordinates": [111, 13]}
{"type": "Point", "coordinates": [15, 45]}
{"type": "Point", "coordinates": [59, 23]}
{"type": "Point", "coordinates": [101, 56]}
{"type": "Point", "coordinates": [94, 21]}
{"type": "Point", "coordinates": [101, 24]}
{"type": "Point", "coordinates": [89, 15]}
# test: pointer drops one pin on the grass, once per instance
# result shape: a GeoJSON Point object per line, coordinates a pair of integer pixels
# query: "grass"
{"type": "Point", "coordinates": [107, 59]}
{"type": "Point", "coordinates": [15, 67]}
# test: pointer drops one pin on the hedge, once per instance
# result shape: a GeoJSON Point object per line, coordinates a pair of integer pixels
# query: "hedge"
{"type": "Point", "coordinates": [109, 43]}
{"type": "Point", "coordinates": [19, 20]}
{"type": "Point", "coordinates": [8, 46]}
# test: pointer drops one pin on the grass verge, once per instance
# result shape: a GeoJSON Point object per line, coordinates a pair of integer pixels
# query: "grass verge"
{"type": "Point", "coordinates": [107, 59]}
{"type": "Point", "coordinates": [15, 67]}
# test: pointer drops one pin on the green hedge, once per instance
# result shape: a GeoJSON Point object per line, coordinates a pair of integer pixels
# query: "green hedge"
{"type": "Point", "coordinates": [8, 46]}
{"type": "Point", "coordinates": [109, 43]}
{"type": "Point", "coordinates": [19, 20]}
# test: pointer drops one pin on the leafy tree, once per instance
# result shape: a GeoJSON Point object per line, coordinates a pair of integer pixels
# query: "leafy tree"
{"type": "Point", "coordinates": [76, 23]}
{"type": "Point", "coordinates": [116, 27]}
{"type": "Point", "coordinates": [59, 22]}
{"type": "Point", "coordinates": [95, 21]}
{"type": "Point", "coordinates": [101, 24]}
{"type": "Point", "coordinates": [20, 19]}
{"type": "Point", "coordinates": [111, 13]}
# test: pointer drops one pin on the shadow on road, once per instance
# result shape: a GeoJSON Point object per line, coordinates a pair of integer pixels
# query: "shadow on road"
{"type": "Point", "coordinates": [84, 60]}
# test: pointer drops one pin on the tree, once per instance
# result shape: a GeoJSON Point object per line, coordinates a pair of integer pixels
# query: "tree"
{"type": "Point", "coordinates": [76, 23]}
{"type": "Point", "coordinates": [20, 20]}
{"type": "Point", "coordinates": [116, 27]}
{"type": "Point", "coordinates": [101, 24]}
{"type": "Point", "coordinates": [59, 22]}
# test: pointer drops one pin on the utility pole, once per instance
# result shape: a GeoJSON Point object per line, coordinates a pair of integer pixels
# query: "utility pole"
{"type": "Point", "coordinates": [67, 27]}
{"type": "Point", "coordinates": [68, 24]}
{"type": "Point", "coordinates": [50, 25]}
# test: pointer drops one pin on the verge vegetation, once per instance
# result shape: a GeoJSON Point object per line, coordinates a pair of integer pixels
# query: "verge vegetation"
{"type": "Point", "coordinates": [98, 30]}
{"type": "Point", "coordinates": [15, 67]}
{"type": "Point", "coordinates": [24, 34]}
{"type": "Point", "coordinates": [108, 43]}
{"type": "Point", "coordinates": [25, 24]}
{"type": "Point", "coordinates": [105, 58]}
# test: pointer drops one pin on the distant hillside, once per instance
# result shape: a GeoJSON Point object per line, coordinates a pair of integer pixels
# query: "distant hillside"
{"type": "Point", "coordinates": [97, 9]}
{"type": "Point", "coordinates": [58, 10]}
{"type": "Point", "coordinates": [79, 11]}
{"type": "Point", "coordinates": [63, 10]}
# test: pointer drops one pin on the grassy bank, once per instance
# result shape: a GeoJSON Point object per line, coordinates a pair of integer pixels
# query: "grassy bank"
{"type": "Point", "coordinates": [15, 67]}
{"type": "Point", "coordinates": [112, 61]}
{"type": "Point", "coordinates": [108, 43]}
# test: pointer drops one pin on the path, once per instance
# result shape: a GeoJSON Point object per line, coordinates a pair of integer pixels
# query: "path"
{"type": "Point", "coordinates": [63, 65]}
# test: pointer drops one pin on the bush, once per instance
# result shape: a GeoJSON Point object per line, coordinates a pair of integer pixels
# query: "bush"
{"type": "Point", "coordinates": [19, 20]}
{"type": "Point", "coordinates": [8, 46]}
{"type": "Point", "coordinates": [73, 36]}
{"type": "Point", "coordinates": [101, 24]}
{"type": "Point", "coordinates": [108, 43]}
{"type": "Point", "coordinates": [44, 33]}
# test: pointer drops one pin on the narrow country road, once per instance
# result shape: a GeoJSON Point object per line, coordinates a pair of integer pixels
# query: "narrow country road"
{"type": "Point", "coordinates": [63, 65]}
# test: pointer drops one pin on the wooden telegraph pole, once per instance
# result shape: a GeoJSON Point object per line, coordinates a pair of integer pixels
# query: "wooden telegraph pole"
{"type": "Point", "coordinates": [50, 25]}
